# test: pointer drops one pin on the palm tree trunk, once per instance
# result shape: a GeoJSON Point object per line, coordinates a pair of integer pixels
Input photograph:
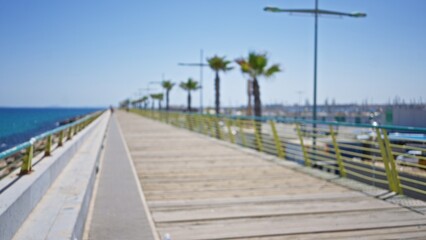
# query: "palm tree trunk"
{"type": "Point", "coordinates": [167, 100]}
{"type": "Point", "coordinates": [159, 105]}
{"type": "Point", "coordinates": [257, 103]}
{"type": "Point", "coordinates": [217, 102]}
{"type": "Point", "coordinates": [257, 109]}
{"type": "Point", "coordinates": [217, 89]}
{"type": "Point", "coordinates": [249, 93]}
{"type": "Point", "coordinates": [189, 101]}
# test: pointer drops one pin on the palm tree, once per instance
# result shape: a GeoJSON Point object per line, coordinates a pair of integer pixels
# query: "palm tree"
{"type": "Point", "coordinates": [255, 66]}
{"type": "Point", "coordinates": [218, 64]}
{"type": "Point", "coordinates": [167, 85]}
{"type": "Point", "coordinates": [139, 101]}
{"type": "Point", "coordinates": [125, 104]}
{"type": "Point", "coordinates": [159, 97]}
{"type": "Point", "coordinates": [144, 100]}
{"type": "Point", "coordinates": [189, 86]}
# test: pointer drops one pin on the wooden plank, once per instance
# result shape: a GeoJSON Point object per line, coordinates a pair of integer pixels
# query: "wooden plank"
{"type": "Point", "coordinates": [417, 232]}
{"type": "Point", "coordinates": [197, 213]}
{"type": "Point", "coordinates": [263, 199]}
{"type": "Point", "coordinates": [197, 189]}
{"type": "Point", "coordinates": [255, 227]}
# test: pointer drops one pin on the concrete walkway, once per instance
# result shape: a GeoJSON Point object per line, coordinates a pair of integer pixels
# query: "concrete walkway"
{"type": "Point", "coordinates": [198, 188]}
{"type": "Point", "coordinates": [119, 211]}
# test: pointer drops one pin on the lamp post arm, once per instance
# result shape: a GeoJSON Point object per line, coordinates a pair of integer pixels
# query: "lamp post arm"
{"type": "Point", "coordinates": [314, 11]}
{"type": "Point", "coordinates": [193, 64]}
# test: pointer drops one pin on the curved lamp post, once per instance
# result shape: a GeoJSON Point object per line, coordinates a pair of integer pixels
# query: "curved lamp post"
{"type": "Point", "coordinates": [316, 12]}
{"type": "Point", "coordinates": [201, 65]}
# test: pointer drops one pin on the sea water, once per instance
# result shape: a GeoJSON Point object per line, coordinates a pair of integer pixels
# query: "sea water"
{"type": "Point", "coordinates": [18, 125]}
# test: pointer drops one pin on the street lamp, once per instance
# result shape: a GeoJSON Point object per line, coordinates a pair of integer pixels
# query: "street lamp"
{"type": "Point", "coordinates": [201, 65]}
{"type": "Point", "coordinates": [316, 12]}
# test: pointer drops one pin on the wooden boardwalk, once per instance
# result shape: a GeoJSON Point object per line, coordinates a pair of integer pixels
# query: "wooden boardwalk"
{"type": "Point", "coordinates": [197, 188]}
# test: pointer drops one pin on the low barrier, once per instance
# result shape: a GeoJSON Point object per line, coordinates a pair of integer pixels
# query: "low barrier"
{"type": "Point", "coordinates": [389, 157]}
{"type": "Point", "coordinates": [21, 156]}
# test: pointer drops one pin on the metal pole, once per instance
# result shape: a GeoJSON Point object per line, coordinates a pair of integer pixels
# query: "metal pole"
{"type": "Point", "coordinates": [201, 81]}
{"type": "Point", "coordinates": [315, 62]}
{"type": "Point", "coordinates": [314, 117]}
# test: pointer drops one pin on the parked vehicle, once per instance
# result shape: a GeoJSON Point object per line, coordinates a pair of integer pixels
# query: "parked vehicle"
{"type": "Point", "coordinates": [412, 156]}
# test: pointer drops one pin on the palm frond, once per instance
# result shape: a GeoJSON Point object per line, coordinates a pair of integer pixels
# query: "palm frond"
{"type": "Point", "coordinates": [217, 63]}
{"type": "Point", "coordinates": [190, 85]}
{"type": "Point", "coordinates": [272, 70]}
{"type": "Point", "coordinates": [167, 84]}
{"type": "Point", "coordinates": [157, 96]}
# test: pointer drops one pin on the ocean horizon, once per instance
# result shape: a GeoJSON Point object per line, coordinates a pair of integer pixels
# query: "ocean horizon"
{"type": "Point", "coordinates": [19, 124]}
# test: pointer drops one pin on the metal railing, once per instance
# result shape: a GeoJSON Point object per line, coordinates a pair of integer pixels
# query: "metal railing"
{"type": "Point", "coordinates": [21, 156]}
{"type": "Point", "coordinates": [388, 157]}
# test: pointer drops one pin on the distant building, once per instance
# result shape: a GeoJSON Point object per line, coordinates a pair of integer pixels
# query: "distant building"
{"type": "Point", "coordinates": [408, 116]}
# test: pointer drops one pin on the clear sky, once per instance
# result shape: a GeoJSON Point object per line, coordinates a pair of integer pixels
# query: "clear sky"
{"type": "Point", "coordinates": [96, 53]}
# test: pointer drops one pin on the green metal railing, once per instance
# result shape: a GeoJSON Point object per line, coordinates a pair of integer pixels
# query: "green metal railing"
{"type": "Point", "coordinates": [358, 151]}
{"type": "Point", "coordinates": [21, 156]}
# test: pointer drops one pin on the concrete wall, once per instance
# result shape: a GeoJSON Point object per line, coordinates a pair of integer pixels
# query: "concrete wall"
{"type": "Point", "coordinates": [17, 202]}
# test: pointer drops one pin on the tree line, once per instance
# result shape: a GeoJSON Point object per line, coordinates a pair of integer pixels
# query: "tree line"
{"type": "Point", "coordinates": [254, 66]}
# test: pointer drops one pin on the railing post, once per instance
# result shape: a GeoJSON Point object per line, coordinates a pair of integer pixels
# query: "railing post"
{"type": "Point", "coordinates": [392, 185]}
{"type": "Point", "coordinates": [337, 153]}
{"type": "Point", "coordinates": [69, 133]}
{"type": "Point", "coordinates": [193, 122]}
{"type": "Point", "coordinates": [212, 124]}
{"type": "Point", "coordinates": [278, 146]}
{"type": "Point", "coordinates": [61, 138]}
{"type": "Point", "coordinates": [231, 136]}
{"type": "Point", "coordinates": [302, 145]}
{"type": "Point", "coordinates": [221, 136]}
{"type": "Point", "coordinates": [394, 171]}
{"type": "Point", "coordinates": [199, 123]}
{"type": "Point", "coordinates": [27, 162]}
{"type": "Point", "coordinates": [218, 133]}
{"type": "Point", "coordinates": [48, 149]}
{"type": "Point", "coordinates": [173, 119]}
{"type": "Point", "coordinates": [188, 121]}
{"type": "Point", "coordinates": [257, 126]}
{"type": "Point", "coordinates": [179, 122]}
{"type": "Point", "coordinates": [206, 124]}
{"type": "Point", "coordinates": [243, 137]}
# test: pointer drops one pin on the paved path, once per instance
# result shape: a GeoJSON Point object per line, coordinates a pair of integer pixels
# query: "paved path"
{"type": "Point", "coordinates": [118, 211]}
{"type": "Point", "coordinates": [197, 188]}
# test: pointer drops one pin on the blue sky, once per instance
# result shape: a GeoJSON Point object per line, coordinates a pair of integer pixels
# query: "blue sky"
{"type": "Point", "coordinates": [96, 53]}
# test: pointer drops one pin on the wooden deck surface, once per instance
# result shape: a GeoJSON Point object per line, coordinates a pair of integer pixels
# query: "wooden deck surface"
{"type": "Point", "coordinates": [198, 189]}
